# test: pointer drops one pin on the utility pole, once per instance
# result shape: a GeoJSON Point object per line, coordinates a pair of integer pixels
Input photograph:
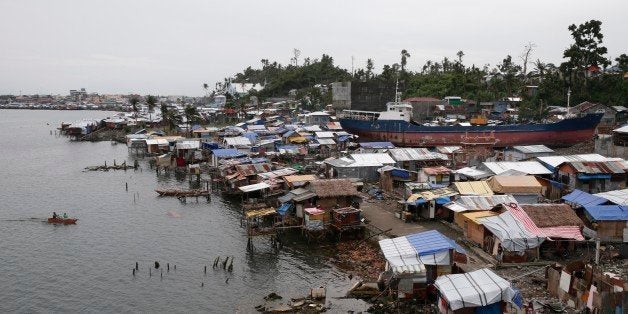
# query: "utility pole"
{"type": "Point", "coordinates": [568, 98]}
{"type": "Point", "coordinates": [352, 71]}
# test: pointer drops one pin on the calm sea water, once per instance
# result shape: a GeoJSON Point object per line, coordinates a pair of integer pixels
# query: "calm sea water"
{"type": "Point", "coordinates": [88, 267]}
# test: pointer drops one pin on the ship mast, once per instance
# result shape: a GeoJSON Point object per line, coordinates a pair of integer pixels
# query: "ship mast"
{"type": "Point", "coordinates": [568, 96]}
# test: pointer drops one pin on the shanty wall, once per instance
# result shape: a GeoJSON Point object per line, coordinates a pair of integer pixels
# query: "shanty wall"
{"type": "Point", "coordinates": [611, 230]}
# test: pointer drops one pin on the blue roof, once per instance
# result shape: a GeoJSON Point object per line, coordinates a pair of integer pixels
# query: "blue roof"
{"type": "Point", "coordinates": [607, 212]}
{"type": "Point", "coordinates": [283, 209]}
{"type": "Point", "coordinates": [227, 153]}
{"type": "Point", "coordinates": [289, 133]}
{"type": "Point", "coordinates": [443, 200]}
{"type": "Point", "coordinates": [584, 199]}
{"type": "Point", "coordinates": [377, 145]}
{"type": "Point", "coordinates": [430, 242]}
{"type": "Point", "coordinates": [210, 145]}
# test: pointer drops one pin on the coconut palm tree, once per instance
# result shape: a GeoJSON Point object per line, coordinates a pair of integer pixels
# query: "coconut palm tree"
{"type": "Point", "coordinates": [206, 88]}
{"type": "Point", "coordinates": [134, 101]}
{"type": "Point", "coordinates": [151, 102]}
{"type": "Point", "coordinates": [191, 115]}
{"type": "Point", "coordinates": [173, 118]}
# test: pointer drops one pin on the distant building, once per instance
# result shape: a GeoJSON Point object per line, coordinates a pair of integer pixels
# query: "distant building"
{"type": "Point", "coordinates": [78, 95]}
{"type": "Point", "coordinates": [423, 108]}
{"type": "Point", "coordinates": [241, 89]}
{"type": "Point", "coordinates": [341, 95]}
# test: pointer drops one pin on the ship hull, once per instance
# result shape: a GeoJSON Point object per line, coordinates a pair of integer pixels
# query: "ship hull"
{"type": "Point", "coordinates": [560, 134]}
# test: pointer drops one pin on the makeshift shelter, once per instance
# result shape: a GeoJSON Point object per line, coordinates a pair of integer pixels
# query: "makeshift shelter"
{"type": "Point", "coordinates": [593, 177]}
{"type": "Point", "coordinates": [619, 197]}
{"type": "Point", "coordinates": [529, 167]}
{"type": "Point", "coordinates": [579, 198]}
{"type": "Point", "coordinates": [434, 200]}
{"type": "Point", "coordinates": [437, 175]}
{"type": "Point", "coordinates": [419, 258]}
{"type": "Point", "coordinates": [347, 220]}
{"type": "Point", "coordinates": [526, 189]}
{"type": "Point", "coordinates": [392, 179]}
{"type": "Point", "coordinates": [511, 234]}
{"type": "Point", "coordinates": [333, 192]}
{"type": "Point", "coordinates": [375, 147]}
{"type": "Point", "coordinates": [237, 142]}
{"type": "Point", "coordinates": [472, 174]}
{"type": "Point", "coordinates": [472, 226]}
{"type": "Point", "coordinates": [608, 221]}
{"type": "Point", "coordinates": [362, 166]}
{"type": "Point", "coordinates": [482, 290]}
{"type": "Point", "coordinates": [556, 221]}
{"type": "Point", "coordinates": [293, 181]}
{"type": "Point", "coordinates": [222, 154]}
{"type": "Point", "coordinates": [473, 188]}
{"type": "Point", "coordinates": [414, 159]}
{"type": "Point", "coordinates": [260, 222]}
{"type": "Point", "coordinates": [518, 153]}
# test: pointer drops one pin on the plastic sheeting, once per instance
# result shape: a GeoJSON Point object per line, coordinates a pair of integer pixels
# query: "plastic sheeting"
{"type": "Point", "coordinates": [583, 199]}
{"type": "Point", "coordinates": [474, 289]}
{"type": "Point", "coordinates": [429, 247]}
{"type": "Point", "coordinates": [513, 236]}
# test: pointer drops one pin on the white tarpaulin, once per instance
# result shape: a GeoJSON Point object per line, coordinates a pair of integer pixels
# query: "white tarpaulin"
{"type": "Point", "coordinates": [423, 248]}
{"type": "Point", "coordinates": [513, 236]}
{"type": "Point", "coordinates": [477, 288]}
{"type": "Point", "coordinates": [254, 187]}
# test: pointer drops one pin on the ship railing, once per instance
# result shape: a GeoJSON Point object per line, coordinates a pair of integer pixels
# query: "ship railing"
{"type": "Point", "coordinates": [360, 115]}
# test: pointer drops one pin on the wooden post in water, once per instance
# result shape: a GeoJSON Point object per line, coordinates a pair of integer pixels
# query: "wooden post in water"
{"type": "Point", "coordinates": [126, 184]}
{"type": "Point", "coordinates": [137, 266]}
{"type": "Point", "coordinates": [168, 267]}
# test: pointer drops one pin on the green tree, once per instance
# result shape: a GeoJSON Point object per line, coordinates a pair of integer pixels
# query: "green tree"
{"type": "Point", "coordinates": [586, 51]}
{"type": "Point", "coordinates": [173, 118]}
{"type": "Point", "coordinates": [369, 68]}
{"type": "Point", "coordinates": [404, 59]}
{"type": "Point", "coordinates": [151, 102]}
{"type": "Point", "coordinates": [191, 116]}
{"type": "Point", "coordinates": [134, 101]}
{"type": "Point", "coordinates": [622, 62]}
{"type": "Point", "coordinates": [509, 71]}
{"type": "Point", "coordinates": [164, 113]}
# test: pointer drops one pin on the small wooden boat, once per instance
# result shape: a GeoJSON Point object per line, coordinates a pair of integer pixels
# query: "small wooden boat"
{"type": "Point", "coordinates": [60, 220]}
{"type": "Point", "coordinates": [179, 192]}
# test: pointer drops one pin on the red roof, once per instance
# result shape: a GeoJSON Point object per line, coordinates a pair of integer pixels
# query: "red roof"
{"type": "Point", "coordinates": [421, 99]}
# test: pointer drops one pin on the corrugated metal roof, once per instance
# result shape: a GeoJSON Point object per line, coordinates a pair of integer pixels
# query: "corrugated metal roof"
{"type": "Point", "coordinates": [157, 141]}
{"type": "Point", "coordinates": [529, 167]}
{"type": "Point", "coordinates": [607, 167]}
{"type": "Point", "coordinates": [415, 154]}
{"type": "Point", "coordinates": [252, 169]}
{"type": "Point", "coordinates": [448, 149]}
{"type": "Point", "coordinates": [370, 160]}
{"type": "Point", "coordinates": [555, 161]}
{"type": "Point", "coordinates": [515, 184]}
{"type": "Point", "coordinates": [473, 188]}
{"type": "Point", "coordinates": [188, 145]}
{"type": "Point", "coordinates": [474, 216]}
{"type": "Point", "coordinates": [436, 170]}
{"type": "Point", "coordinates": [623, 129]}
{"type": "Point", "coordinates": [254, 187]}
{"type": "Point", "coordinates": [377, 145]}
{"type": "Point", "coordinates": [326, 141]}
{"type": "Point", "coordinates": [619, 197]}
{"type": "Point", "coordinates": [483, 202]}
{"type": "Point", "coordinates": [278, 173]}
{"type": "Point", "coordinates": [320, 135]}
{"type": "Point", "coordinates": [237, 141]}
{"type": "Point", "coordinates": [473, 173]}
{"type": "Point", "coordinates": [532, 149]}
{"type": "Point", "coordinates": [312, 128]}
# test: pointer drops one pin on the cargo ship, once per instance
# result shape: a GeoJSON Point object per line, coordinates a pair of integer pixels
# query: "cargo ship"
{"type": "Point", "coordinates": [396, 125]}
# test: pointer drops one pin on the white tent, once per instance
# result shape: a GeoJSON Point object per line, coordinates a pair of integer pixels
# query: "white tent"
{"type": "Point", "coordinates": [513, 236]}
{"type": "Point", "coordinates": [477, 288]}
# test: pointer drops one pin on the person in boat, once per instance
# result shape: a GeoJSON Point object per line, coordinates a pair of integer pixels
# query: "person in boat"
{"type": "Point", "coordinates": [54, 215]}
{"type": "Point", "coordinates": [65, 215]}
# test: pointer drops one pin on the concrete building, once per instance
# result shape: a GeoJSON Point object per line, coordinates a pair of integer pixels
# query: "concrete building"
{"type": "Point", "coordinates": [341, 95]}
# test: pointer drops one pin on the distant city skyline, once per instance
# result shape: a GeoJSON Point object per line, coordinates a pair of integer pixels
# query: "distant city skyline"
{"type": "Point", "coordinates": [172, 48]}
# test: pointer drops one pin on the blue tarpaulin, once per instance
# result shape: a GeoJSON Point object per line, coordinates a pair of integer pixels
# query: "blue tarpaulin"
{"type": "Point", "coordinates": [258, 160]}
{"type": "Point", "coordinates": [289, 133]}
{"type": "Point", "coordinates": [517, 299]}
{"type": "Point", "coordinates": [227, 153]}
{"type": "Point", "coordinates": [607, 212]}
{"type": "Point", "coordinates": [210, 146]}
{"type": "Point", "coordinates": [584, 199]}
{"type": "Point", "coordinates": [252, 136]}
{"type": "Point", "coordinates": [377, 145]}
{"type": "Point", "coordinates": [400, 173]}
{"type": "Point", "coordinates": [443, 200]}
{"type": "Point", "coordinates": [344, 138]}
{"type": "Point", "coordinates": [430, 242]}
{"type": "Point", "coordinates": [283, 209]}
{"type": "Point", "coordinates": [596, 176]}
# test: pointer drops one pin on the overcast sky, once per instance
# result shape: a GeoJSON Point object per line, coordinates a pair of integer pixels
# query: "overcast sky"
{"type": "Point", "coordinates": [173, 47]}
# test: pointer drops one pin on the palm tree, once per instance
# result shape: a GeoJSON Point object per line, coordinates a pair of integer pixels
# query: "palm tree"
{"type": "Point", "coordinates": [151, 102]}
{"type": "Point", "coordinates": [134, 101]}
{"type": "Point", "coordinates": [164, 113]}
{"type": "Point", "coordinates": [191, 115]}
{"type": "Point", "coordinates": [404, 59]}
{"type": "Point", "coordinates": [173, 119]}
{"type": "Point", "coordinates": [206, 87]}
